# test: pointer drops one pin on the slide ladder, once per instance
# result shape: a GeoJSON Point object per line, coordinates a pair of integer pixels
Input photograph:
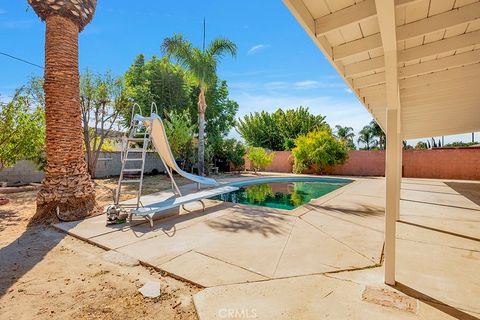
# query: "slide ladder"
{"type": "Point", "coordinates": [133, 155]}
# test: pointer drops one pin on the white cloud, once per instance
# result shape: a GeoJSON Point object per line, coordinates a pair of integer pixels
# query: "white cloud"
{"type": "Point", "coordinates": [307, 84]}
{"type": "Point", "coordinates": [285, 85]}
{"type": "Point", "coordinates": [257, 48]}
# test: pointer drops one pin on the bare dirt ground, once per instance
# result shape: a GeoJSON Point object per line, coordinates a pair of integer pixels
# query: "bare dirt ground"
{"type": "Point", "coordinates": [46, 274]}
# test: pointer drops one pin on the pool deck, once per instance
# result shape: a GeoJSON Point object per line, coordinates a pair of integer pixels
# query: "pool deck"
{"type": "Point", "coordinates": [320, 260]}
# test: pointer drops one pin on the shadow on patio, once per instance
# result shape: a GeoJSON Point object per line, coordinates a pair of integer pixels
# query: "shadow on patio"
{"type": "Point", "coordinates": [252, 222]}
{"type": "Point", "coordinates": [471, 191]}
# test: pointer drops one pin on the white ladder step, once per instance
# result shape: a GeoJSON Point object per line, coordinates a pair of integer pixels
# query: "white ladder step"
{"type": "Point", "coordinates": [137, 139]}
{"type": "Point", "coordinates": [133, 159]}
{"type": "Point", "coordinates": [132, 170]}
{"type": "Point", "coordinates": [135, 150]}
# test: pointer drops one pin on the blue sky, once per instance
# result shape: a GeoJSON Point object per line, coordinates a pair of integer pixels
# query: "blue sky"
{"type": "Point", "coordinates": [277, 63]}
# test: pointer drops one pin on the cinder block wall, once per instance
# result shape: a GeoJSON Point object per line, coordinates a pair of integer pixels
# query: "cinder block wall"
{"type": "Point", "coordinates": [24, 171]}
{"type": "Point", "coordinates": [441, 163]}
{"type": "Point", "coordinates": [108, 165]}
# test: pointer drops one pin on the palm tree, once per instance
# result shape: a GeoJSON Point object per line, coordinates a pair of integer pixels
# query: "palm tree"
{"type": "Point", "coordinates": [344, 133]}
{"type": "Point", "coordinates": [202, 64]}
{"type": "Point", "coordinates": [366, 137]}
{"type": "Point", "coordinates": [378, 133]}
{"type": "Point", "coordinates": [67, 189]}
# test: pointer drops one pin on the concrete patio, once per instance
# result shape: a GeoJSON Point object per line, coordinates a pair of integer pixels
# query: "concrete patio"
{"type": "Point", "coordinates": [321, 260]}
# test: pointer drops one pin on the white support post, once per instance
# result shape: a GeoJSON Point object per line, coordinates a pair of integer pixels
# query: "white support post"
{"type": "Point", "coordinates": [400, 164]}
{"type": "Point", "coordinates": [392, 192]}
{"type": "Point", "coordinates": [386, 22]}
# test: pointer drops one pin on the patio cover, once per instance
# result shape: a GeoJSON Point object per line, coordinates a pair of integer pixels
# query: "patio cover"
{"type": "Point", "coordinates": [413, 64]}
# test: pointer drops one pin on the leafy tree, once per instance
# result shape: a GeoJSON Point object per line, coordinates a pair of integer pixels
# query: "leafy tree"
{"type": "Point", "coordinates": [22, 129]}
{"type": "Point", "coordinates": [260, 158]}
{"type": "Point", "coordinates": [295, 122]}
{"type": "Point", "coordinates": [378, 134]}
{"type": "Point", "coordinates": [179, 129]}
{"type": "Point", "coordinates": [421, 146]}
{"type": "Point", "coordinates": [202, 65]}
{"type": "Point", "coordinates": [346, 135]}
{"type": "Point", "coordinates": [230, 150]}
{"type": "Point", "coordinates": [260, 129]}
{"type": "Point", "coordinates": [160, 81]}
{"type": "Point", "coordinates": [103, 100]}
{"type": "Point", "coordinates": [317, 150]}
{"type": "Point", "coordinates": [278, 130]}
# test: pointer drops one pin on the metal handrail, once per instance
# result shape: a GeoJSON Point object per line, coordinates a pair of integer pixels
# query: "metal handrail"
{"type": "Point", "coordinates": [154, 105]}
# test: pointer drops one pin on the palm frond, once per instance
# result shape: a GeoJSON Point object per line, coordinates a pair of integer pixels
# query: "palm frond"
{"type": "Point", "coordinates": [180, 49]}
{"type": "Point", "coordinates": [220, 47]}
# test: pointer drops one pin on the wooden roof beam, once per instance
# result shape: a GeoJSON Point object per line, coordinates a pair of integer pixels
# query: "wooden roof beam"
{"type": "Point", "coordinates": [449, 62]}
{"type": "Point", "coordinates": [350, 15]}
{"type": "Point", "coordinates": [425, 26]}
{"type": "Point", "coordinates": [465, 40]}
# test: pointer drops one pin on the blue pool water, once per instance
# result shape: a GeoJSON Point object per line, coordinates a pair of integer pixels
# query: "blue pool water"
{"type": "Point", "coordinates": [281, 193]}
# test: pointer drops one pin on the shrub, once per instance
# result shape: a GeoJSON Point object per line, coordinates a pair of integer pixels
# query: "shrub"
{"type": "Point", "coordinates": [260, 158]}
{"type": "Point", "coordinates": [179, 129]}
{"type": "Point", "coordinates": [22, 130]}
{"type": "Point", "coordinates": [234, 152]}
{"type": "Point", "coordinates": [317, 150]}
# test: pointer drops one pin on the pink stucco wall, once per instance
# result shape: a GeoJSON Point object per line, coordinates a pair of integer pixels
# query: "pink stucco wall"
{"type": "Point", "coordinates": [282, 162]}
{"type": "Point", "coordinates": [442, 163]}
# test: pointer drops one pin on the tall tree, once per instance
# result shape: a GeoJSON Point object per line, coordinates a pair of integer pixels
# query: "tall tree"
{"type": "Point", "coordinates": [278, 130]}
{"type": "Point", "coordinates": [160, 81]}
{"type": "Point", "coordinates": [378, 133]}
{"type": "Point", "coordinates": [259, 129]}
{"type": "Point", "coordinates": [202, 64]}
{"type": "Point", "coordinates": [366, 137]}
{"type": "Point", "coordinates": [67, 187]}
{"type": "Point", "coordinates": [103, 99]}
{"type": "Point", "coordinates": [293, 123]}
{"type": "Point", "coordinates": [346, 135]}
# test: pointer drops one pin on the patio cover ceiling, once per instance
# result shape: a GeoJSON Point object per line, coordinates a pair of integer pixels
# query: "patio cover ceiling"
{"type": "Point", "coordinates": [432, 68]}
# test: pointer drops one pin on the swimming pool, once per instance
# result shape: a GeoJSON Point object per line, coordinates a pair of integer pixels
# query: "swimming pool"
{"type": "Point", "coordinates": [281, 193]}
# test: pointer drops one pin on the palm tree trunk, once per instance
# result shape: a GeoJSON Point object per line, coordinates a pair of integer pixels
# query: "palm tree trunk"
{"type": "Point", "coordinates": [202, 106]}
{"type": "Point", "coordinates": [67, 186]}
